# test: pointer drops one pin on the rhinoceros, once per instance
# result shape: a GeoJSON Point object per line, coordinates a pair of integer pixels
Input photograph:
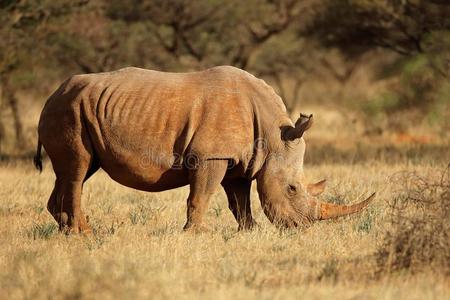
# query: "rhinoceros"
{"type": "Point", "coordinates": [155, 131]}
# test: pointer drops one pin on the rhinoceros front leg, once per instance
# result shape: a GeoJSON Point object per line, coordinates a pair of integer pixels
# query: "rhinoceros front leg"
{"type": "Point", "coordinates": [204, 181]}
{"type": "Point", "coordinates": [238, 194]}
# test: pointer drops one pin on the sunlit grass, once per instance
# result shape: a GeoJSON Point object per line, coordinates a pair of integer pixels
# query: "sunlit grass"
{"type": "Point", "coordinates": [138, 248]}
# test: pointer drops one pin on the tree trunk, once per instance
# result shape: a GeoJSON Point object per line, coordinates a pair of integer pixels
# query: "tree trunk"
{"type": "Point", "coordinates": [296, 92]}
{"type": "Point", "coordinates": [2, 137]}
{"type": "Point", "coordinates": [281, 90]}
{"type": "Point", "coordinates": [2, 127]}
{"type": "Point", "coordinates": [12, 101]}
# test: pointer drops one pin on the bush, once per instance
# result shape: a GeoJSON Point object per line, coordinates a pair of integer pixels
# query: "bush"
{"type": "Point", "coordinates": [417, 236]}
{"type": "Point", "coordinates": [413, 84]}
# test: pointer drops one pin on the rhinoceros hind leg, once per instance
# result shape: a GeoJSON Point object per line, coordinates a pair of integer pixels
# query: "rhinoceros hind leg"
{"type": "Point", "coordinates": [65, 206]}
{"type": "Point", "coordinates": [72, 162]}
{"type": "Point", "coordinates": [204, 181]}
{"type": "Point", "coordinates": [238, 194]}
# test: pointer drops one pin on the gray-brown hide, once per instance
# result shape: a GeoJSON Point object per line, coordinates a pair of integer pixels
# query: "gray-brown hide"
{"type": "Point", "coordinates": [156, 131]}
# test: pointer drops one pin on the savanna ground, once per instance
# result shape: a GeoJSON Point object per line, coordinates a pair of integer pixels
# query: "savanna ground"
{"type": "Point", "coordinates": [138, 248]}
{"type": "Point", "coordinates": [373, 73]}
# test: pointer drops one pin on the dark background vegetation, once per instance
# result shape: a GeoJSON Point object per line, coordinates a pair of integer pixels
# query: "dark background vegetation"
{"type": "Point", "coordinates": [385, 64]}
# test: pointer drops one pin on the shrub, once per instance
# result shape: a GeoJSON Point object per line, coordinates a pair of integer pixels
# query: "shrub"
{"type": "Point", "coordinates": [418, 233]}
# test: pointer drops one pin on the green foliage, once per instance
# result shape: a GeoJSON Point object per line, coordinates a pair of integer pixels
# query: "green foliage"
{"type": "Point", "coordinates": [417, 85]}
{"type": "Point", "coordinates": [22, 27]}
{"type": "Point", "coordinates": [356, 26]}
{"type": "Point", "coordinates": [366, 222]}
{"type": "Point", "coordinates": [439, 108]}
{"type": "Point", "coordinates": [336, 199]}
{"type": "Point", "coordinates": [417, 30]}
{"type": "Point", "coordinates": [329, 271]}
{"type": "Point", "coordinates": [140, 215]}
{"type": "Point", "coordinates": [385, 102]}
{"type": "Point", "coordinates": [42, 231]}
{"type": "Point", "coordinates": [217, 210]}
{"type": "Point", "coordinates": [173, 35]}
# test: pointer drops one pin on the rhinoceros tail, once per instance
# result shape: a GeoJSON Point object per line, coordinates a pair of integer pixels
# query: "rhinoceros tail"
{"type": "Point", "coordinates": [38, 158]}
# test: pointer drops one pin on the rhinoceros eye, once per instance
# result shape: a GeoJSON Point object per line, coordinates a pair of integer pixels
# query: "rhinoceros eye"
{"type": "Point", "coordinates": [292, 189]}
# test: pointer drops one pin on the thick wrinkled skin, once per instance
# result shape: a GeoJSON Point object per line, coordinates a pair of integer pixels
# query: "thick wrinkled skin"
{"type": "Point", "coordinates": [155, 131]}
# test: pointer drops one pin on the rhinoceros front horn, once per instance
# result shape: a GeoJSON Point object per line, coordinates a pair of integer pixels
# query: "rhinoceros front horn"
{"type": "Point", "coordinates": [324, 211]}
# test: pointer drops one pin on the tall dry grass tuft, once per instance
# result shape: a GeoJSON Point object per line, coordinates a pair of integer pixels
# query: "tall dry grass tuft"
{"type": "Point", "coordinates": [417, 235]}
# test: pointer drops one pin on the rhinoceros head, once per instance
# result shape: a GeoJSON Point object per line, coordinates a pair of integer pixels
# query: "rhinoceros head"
{"type": "Point", "coordinates": [286, 199]}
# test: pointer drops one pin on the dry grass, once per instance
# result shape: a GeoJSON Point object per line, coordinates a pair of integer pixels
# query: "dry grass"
{"type": "Point", "coordinates": [139, 250]}
{"type": "Point", "coordinates": [418, 235]}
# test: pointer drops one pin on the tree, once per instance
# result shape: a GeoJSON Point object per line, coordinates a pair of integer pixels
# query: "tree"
{"type": "Point", "coordinates": [358, 25]}
{"type": "Point", "coordinates": [417, 30]}
{"type": "Point", "coordinates": [259, 36]}
{"type": "Point", "coordinates": [20, 31]}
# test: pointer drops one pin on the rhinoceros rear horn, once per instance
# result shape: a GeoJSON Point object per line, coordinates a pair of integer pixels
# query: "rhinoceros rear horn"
{"type": "Point", "coordinates": [315, 189]}
{"type": "Point", "coordinates": [303, 123]}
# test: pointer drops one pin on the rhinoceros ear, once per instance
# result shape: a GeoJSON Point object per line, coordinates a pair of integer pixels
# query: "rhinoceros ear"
{"type": "Point", "coordinates": [303, 123]}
